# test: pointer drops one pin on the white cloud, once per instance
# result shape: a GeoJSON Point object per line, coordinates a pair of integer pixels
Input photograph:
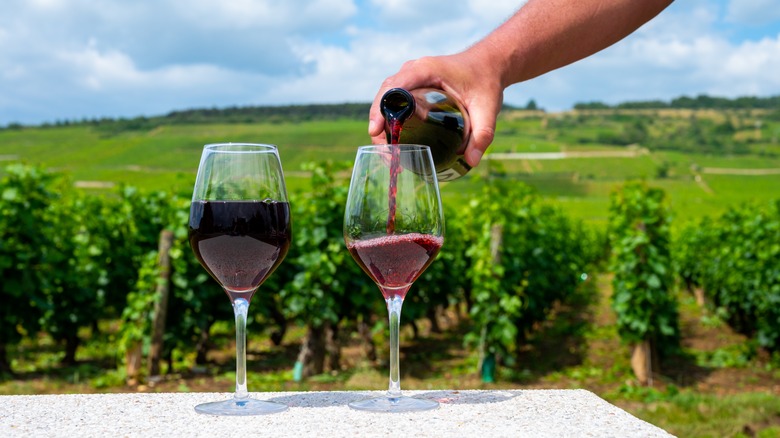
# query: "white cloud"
{"type": "Point", "coordinates": [354, 73]}
{"type": "Point", "coordinates": [685, 20]}
{"type": "Point", "coordinates": [687, 50]}
{"type": "Point", "coordinates": [753, 12]}
{"type": "Point", "coordinates": [494, 12]}
{"type": "Point", "coordinates": [676, 54]}
{"type": "Point", "coordinates": [48, 5]}
{"type": "Point", "coordinates": [461, 23]}
{"type": "Point", "coordinates": [659, 66]}
{"type": "Point", "coordinates": [405, 13]}
{"type": "Point", "coordinates": [343, 74]}
{"type": "Point", "coordinates": [300, 15]}
{"type": "Point", "coordinates": [706, 64]}
{"type": "Point", "coordinates": [752, 68]}
{"type": "Point", "coordinates": [111, 71]}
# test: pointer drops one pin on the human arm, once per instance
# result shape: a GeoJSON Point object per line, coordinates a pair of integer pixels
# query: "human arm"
{"type": "Point", "coordinates": [541, 36]}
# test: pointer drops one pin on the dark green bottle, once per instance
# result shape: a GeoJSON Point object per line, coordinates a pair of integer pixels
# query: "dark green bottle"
{"type": "Point", "coordinates": [429, 117]}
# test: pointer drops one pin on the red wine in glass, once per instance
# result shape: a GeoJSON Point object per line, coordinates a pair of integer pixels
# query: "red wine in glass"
{"type": "Point", "coordinates": [240, 243]}
{"type": "Point", "coordinates": [395, 261]}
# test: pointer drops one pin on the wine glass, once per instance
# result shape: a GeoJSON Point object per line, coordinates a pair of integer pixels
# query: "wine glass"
{"type": "Point", "coordinates": [240, 231]}
{"type": "Point", "coordinates": [394, 227]}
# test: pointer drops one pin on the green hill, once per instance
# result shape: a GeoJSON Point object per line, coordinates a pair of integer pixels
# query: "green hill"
{"type": "Point", "coordinates": [705, 158]}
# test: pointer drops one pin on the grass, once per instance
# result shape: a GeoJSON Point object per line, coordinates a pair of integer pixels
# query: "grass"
{"type": "Point", "coordinates": [696, 415]}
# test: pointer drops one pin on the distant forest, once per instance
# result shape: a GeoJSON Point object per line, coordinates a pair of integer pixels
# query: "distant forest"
{"type": "Point", "coordinates": [228, 115]}
{"type": "Point", "coordinates": [701, 101]}
{"type": "Point", "coordinates": [359, 111]}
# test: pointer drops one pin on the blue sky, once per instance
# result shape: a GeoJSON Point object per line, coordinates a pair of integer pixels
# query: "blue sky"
{"type": "Point", "coordinates": [73, 59]}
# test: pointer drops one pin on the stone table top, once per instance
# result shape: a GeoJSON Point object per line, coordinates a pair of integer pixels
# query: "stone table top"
{"type": "Point", "coordinates": [486, 413]}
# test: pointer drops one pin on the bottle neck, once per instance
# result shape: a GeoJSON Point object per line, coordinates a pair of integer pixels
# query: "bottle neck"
{"type": "Point", "coordinates": [397, 105]}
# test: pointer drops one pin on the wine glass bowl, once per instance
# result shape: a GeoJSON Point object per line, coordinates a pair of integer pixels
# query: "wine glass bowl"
{"type": "Point", "coordinates": [240, 231]}
{"type": "Point", "coordinates": [394, 228]}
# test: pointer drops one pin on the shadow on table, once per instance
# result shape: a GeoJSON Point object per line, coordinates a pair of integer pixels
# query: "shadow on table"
{"type": "Point", "coordinates": [330, 399]}
{"type": "Point", "coordinates": [319, 399]}
{"type": "Point", "coordinates": [468, 397]}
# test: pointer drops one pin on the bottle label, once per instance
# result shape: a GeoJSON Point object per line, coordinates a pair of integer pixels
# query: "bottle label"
{"type": "Point", "coordinates": [456, 170]}
{"type": "Point", "coordinates": [448, 174]}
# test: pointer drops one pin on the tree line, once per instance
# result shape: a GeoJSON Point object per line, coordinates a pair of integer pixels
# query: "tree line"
{"type": "Point", "coordinates": [359, 111]}
{"type": "Point", "coordinates": [701, 101]}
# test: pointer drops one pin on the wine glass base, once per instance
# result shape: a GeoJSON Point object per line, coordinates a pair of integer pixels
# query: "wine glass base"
{"type": "Point", "coordinates": [240, 407]}
{"type": "Point", "coordinates": [394, 404]}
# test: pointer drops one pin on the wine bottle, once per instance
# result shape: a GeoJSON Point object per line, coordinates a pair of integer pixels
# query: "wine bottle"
{"type": "Point", "coordinates": [429, 117]}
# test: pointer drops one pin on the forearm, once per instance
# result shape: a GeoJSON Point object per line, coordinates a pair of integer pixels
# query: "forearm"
{"type": "Point", "coordinates": [547, 34]}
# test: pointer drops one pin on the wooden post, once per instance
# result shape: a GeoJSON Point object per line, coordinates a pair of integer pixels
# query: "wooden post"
{"type": "Point", "coordinates": [5, 366]}
{"type": "Point", "coordinates": [332, 346]}
{"type": "Point", "coordinates": [699, 294]}
{"type": "Point", "coordinates": [496, 240]}
{"type": "Point", "coordinates": [641, 362]}
{"type": "Point", "coordinates": [161, 305]}
{"type": "Point", "coordinates": [487, 361]}
{"type": "Point", "coordinates": [311, 357]}
{"type": "Point", "coordinates": [133, 357]}
{"type": "Point", "coordinates": [369, 348]}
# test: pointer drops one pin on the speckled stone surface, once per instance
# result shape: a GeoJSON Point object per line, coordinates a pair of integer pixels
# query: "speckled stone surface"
{"type": "Point", "coordinates": [500, 413]}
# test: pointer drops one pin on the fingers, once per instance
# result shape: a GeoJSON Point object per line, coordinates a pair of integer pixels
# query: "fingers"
{"type": "Point", "coordinates": [479, 143]}
{"type": "Point", "coordinates": [419, 73]}
{"type": "Point", "coordinates": [374, 127]}
{"type": "Point", "coordinates": [379, 138]}
{"type": "Point", "coordinates": [483, 112]}
{"type": "Point", "coordinates": [376, 121]}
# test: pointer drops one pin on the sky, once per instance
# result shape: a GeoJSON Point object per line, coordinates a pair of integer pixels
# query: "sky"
{"type": "Point", "coordinates": [75, 59]}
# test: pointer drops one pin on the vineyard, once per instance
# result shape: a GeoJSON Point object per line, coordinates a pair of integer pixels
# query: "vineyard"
{"type": "Point", "coordinates": [528, 241]}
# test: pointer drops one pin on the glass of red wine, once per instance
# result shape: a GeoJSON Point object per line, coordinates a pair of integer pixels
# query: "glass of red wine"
{"type": "Point", "coordinates": [240, 230]}
{"type": "Point", "coordinates": [393, 228]}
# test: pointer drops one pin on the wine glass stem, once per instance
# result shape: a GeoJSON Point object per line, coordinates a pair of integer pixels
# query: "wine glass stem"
{"type": "Point", "coordinates": [394, 304]}
{"type": "Point", "coordinates": [240, 308]}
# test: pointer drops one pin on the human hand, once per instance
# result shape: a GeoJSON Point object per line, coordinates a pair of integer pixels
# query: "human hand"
{"type": "Point", "coordinates": [476, 86]}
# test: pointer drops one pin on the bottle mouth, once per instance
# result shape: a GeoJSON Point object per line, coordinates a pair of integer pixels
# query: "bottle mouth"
{"type": "Point", "coordinates": [397, 104]}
